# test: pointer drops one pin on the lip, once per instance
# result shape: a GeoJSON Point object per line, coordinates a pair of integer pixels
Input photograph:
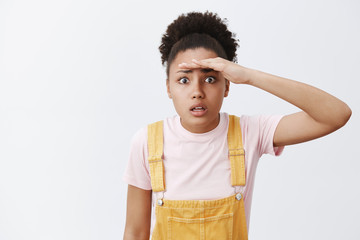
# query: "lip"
{"type": "Point", "coordinates": [198, 105]}
{"type": "Point", "coordinates": [198, 113]}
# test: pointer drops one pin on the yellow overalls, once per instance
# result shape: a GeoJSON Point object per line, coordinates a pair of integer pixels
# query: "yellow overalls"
{"type": "Point", "coordinates": [220, 219]}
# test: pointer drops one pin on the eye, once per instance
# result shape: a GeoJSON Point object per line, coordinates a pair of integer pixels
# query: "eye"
{"type": "Point", "coordinates": [210, 80]}
{"type": "Point", "coordinates": [183, 80]}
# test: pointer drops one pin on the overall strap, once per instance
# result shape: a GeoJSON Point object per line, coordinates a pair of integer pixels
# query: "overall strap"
{"type": "Point", "coordinates": [155, 149]}
{"type": "Point", "coordinates": [236, 152]}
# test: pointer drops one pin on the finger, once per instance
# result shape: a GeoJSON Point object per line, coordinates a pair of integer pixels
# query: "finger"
{"type": "Point", "coordinates": [213, 63]}
{"type": "Point", "coordinates": [191, 65]}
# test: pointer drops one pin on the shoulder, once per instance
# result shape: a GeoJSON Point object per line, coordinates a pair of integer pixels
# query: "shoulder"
{"type": "Point", "coordinates": [140, 136]}
{"type": "Point", "coordinates": [259, 121]}
{"type": "Point", "coordinates": [166, 121]}
{"type": "Point", "coordinates": [139, 139]}
{"type": "Point", "coordinates": [258, 131]}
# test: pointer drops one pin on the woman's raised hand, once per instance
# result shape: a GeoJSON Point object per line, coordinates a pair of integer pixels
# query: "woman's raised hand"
{"type": "Point", "coordinates": [230, 70]}
{"type": "Point", "coordinates": [321, 112]}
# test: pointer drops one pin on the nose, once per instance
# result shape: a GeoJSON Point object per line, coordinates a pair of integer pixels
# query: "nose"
{"type": "Point", "coordinates": [198, 90]}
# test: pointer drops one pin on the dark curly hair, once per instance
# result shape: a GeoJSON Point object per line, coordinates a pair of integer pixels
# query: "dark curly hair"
{"type": "Point", "coordinates": [193, 30]}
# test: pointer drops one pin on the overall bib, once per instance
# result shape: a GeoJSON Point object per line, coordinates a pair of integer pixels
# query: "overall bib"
{"type": "Point", "coordinates": [220, 219]}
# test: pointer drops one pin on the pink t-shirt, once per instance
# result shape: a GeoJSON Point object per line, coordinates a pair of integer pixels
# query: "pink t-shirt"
{"type": "Point", "coordinates": [197, 165]}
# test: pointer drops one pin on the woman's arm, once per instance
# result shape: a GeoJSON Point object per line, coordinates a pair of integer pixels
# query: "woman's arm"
{"type": "Point", "coordinates": [138, 214]}
{"type": "Point", "coordinates": [322, 113]}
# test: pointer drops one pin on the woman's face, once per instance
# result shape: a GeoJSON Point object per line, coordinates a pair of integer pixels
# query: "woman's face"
{"type": "Point", "coordinates": [197, 94]}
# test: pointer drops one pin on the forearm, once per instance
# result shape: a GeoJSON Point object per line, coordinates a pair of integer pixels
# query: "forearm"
{"type": "Point", "coordinates": [138, 214]}
{"type": "Point", "coordinates": [321, 106]}
{"type": "Point", "coordinates": [135, 231]}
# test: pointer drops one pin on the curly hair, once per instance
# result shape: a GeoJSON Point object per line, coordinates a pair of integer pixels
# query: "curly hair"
{"type": "Point", "coordinates": [193, 30]}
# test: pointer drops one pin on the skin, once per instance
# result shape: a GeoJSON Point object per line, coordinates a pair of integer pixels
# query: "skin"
{"type": "Point", "coordinates": [320, 113]}
{"type": "Point", "coordinates": [138, 214]}
{"type": "Point", "coordinates": [190, 87]}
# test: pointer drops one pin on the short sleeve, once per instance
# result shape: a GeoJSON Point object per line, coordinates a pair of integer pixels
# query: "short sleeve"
{"type": "Point", "coordinates": [260, 132]}
{"type": "Point", "coordinates": [137, 170]}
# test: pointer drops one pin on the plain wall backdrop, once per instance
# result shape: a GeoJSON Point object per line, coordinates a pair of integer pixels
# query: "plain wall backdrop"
{"type": "Point", "coordinates": [79, 78]}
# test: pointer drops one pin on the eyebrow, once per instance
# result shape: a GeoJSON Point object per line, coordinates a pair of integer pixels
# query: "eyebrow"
{"type": "Point", "coordinates": [203, 70]}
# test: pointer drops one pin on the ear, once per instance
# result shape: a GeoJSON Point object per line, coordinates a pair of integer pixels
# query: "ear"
{"type": "Point", "coordinates": [227, 87]}
{"type": "Point", "coordinates": [168, 88]}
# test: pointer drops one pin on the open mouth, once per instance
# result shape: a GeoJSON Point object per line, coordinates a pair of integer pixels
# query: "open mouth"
{"type": "Point", "coordinates": [198, 109]}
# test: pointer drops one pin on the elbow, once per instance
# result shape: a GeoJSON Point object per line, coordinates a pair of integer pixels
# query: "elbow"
{"type": "Point", "coordinates": [343, 117]}
{"type": "Point", "coordinates": [346, 115]}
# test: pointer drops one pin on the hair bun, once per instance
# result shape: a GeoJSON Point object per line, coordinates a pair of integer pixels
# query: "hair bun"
{"type": "Point", "coordinates": [197, 22]}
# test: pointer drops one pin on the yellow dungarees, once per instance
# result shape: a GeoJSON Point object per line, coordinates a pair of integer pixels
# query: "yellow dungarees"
{"type": "Point", "coordinates": [220, 219]}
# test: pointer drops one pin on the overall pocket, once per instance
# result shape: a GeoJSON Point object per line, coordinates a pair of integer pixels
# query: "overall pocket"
{"type": "Point", "coordinates": [210, 228]}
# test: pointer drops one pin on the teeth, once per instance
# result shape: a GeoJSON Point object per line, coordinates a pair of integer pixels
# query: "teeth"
{"type": "Point", "coordinates": [198, 109]}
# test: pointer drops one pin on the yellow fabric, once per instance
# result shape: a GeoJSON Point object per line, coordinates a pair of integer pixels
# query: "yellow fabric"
{"type": "Point", "coordinates": [155, 148]}
{"type": "Point", "coordinates": [220, 219]}
{"type": "Point", "coordinates": [236, 152]}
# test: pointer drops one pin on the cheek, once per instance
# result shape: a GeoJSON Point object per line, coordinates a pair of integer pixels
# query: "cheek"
{"type": "Point", "coordinates": [220, 89]}
{"type": "Point", "coordinates": [220, 94]}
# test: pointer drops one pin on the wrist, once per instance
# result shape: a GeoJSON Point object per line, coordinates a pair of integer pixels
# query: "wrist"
{"type": "Point", "coordinates": [252, 76]}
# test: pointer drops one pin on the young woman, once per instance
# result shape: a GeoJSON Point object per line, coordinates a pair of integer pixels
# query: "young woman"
{"type": "Point", "coordinates": [191, 176]}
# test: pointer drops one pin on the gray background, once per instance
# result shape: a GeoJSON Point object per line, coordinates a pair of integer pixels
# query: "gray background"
{"type": "Point", "coordinates": [79, 78]}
